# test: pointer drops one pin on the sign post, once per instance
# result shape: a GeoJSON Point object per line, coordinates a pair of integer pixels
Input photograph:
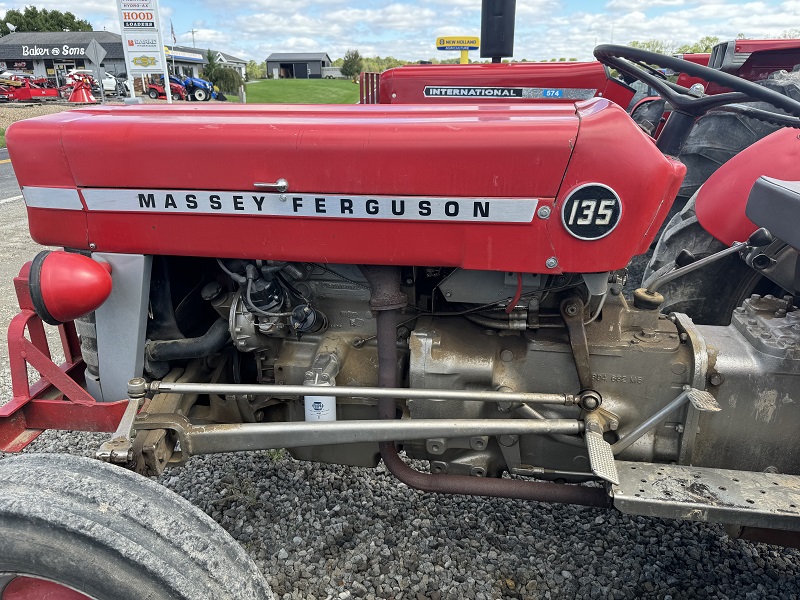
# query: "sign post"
{"type": "Point", "coordinates": [96, 53]}
{"type": "Point", "coordinates": [462, 43]}
{"type": "Point", "coordinates": [142, 40]}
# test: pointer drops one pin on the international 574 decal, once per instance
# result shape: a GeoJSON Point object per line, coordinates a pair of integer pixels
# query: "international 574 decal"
{"type": "Point", "coordinates": [522, 93]}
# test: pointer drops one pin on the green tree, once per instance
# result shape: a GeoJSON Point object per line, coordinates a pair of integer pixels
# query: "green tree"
{"type": "Point", "coordinates": [653, 45]}
{"type": "Point", "coordinates": [705, 44]}
{"type": "Point", "coordinates": [352, 63]}
{"type": "Point", "coordinates": [210, 69]}
{"type": "Point", "coordinates": [33, 19]}
{"type": "Point", "coordinates": [225, 78]}
{"type": "Point", "coordinates": [255, 70]}
{"type": "Point", "coordinates": [379, 65]}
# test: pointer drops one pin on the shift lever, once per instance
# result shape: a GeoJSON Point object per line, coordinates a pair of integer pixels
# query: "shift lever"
{"type": "Point", "coordinates": [650, 299]}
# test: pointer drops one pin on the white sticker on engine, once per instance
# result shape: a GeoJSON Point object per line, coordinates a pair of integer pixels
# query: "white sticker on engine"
{"type": "Point", "coordinates": [401, 208]}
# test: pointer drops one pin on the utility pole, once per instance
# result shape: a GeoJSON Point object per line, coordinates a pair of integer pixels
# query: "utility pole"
{"type": "Point", "coordinates": [193, 31]}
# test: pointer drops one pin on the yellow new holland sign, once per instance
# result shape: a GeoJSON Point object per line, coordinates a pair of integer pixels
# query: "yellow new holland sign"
{"type": "Point", "coordinates": [455, 42]}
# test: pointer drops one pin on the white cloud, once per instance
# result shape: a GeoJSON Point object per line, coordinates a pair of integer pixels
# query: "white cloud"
{"type": "Point", "coordinates": [408, 28]}
{"type": "Point", "coordinates": [642, 4]}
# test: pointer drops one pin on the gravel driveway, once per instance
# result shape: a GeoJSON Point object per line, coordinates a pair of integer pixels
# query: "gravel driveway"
{"type": "Point", "coordinates": [334, 532]}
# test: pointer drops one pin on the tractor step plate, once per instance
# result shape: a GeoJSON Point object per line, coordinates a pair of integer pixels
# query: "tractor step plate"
{"type": "Point", "coordinates": [704, 494]}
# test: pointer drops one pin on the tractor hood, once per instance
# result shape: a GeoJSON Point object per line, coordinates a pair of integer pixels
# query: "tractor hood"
{"type": "Point", "coordinates": [486, 187]}
{"type": "Point", "coordinates": [197, 82]}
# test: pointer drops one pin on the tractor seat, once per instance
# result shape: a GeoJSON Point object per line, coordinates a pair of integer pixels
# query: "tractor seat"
{"type": "Point", "coordinates": [775, 204]}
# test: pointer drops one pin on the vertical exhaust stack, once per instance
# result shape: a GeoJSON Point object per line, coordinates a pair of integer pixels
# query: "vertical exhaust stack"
{"type": "Point", "coordinates": [497, 29]}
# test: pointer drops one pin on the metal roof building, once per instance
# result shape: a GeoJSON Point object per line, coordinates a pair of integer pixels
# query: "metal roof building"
{"type": "Point", "coordinates": [52, 54]}
{"type": "Point", "coordinates": [299, 65]}
{"type": "Point", "coordinates": [185, 60]}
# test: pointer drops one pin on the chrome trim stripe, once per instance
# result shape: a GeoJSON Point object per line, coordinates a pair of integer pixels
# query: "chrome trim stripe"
{"type": "Point", "coordinates": [306, 205]}
{"type": "Point", "coordinates": [48, 197]}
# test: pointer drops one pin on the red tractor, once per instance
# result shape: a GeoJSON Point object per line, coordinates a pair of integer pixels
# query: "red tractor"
{"type": "Point", "coordinates": [155, 89]}
{"type": "Point", "coordinates": [716, 136]}
{"type": "Point", "coordinates": [397, 298]}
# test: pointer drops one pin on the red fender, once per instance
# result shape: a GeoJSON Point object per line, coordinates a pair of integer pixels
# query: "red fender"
{"type": "Point", "coordinates": [721, 202]}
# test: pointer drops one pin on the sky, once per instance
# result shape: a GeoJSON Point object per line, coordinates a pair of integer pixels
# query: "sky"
{"type": "Point", "coordinates": [407, 29]}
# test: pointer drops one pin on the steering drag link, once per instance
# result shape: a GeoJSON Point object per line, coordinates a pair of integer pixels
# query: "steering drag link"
{"type": "Point", "coordinates": [167, 387]}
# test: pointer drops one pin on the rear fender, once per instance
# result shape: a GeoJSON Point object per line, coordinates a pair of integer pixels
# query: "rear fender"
{"type": "Point", "coordinates": [721, 202]}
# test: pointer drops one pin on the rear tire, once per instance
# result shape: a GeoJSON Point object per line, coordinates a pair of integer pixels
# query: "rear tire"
{"type": "Point", "coordinates": [648, 115]}
{"type": "Point", "coordinates": [111, 534]}
{"type": "Point", "coordinates": [710, 294]}
{"type": "Point", "coordinates": [719, 136]}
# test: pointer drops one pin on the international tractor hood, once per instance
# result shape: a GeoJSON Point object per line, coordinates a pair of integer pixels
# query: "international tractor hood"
{"type": "Point", "coordinates": [469, 185]}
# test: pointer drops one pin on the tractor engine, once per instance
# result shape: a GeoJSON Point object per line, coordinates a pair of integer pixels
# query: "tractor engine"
{"type": "Point", "coordinates": [312, 325]}
{"type": "Point", "coordinates": [257, 294]}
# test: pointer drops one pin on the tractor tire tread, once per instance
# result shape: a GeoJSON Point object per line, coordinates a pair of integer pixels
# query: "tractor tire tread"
{"type": "Point", "coordinates": [110, 533]}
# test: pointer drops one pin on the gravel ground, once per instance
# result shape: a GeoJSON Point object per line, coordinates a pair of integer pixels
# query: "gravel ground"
{"type": "Point", "coordinates": [322, 531]}
{"type": "Point", "coordinates": [14, 111]}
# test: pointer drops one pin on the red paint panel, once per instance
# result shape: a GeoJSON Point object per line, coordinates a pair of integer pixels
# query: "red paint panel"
{"type": "Point", "coordinates": [53, 227]}
{"type": "Point", "coordinates": [405, 85]}
{"type": "Point", "coordinates": [474, 246]}
{"type": "Point", "coordinates": [452, 151]}
{"type": "Point", "coordinates": [31, 588]}
{"type": "Point", "coordinates": [34, 148]}
{"type": "Point", "coordinates": [722, 200]}
{"type": "Point", "coordinates": [761, 45]}
{"type": "Point", "coordinates": [14, 433]}
{"type": "Point", "coordinates": [57, 414]}
{"type": "Point", "coordinates": [645, 180]}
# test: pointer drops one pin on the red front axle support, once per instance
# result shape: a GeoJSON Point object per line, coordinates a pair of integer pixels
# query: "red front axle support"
{"type": "Point", "coordinates": [57, 400]}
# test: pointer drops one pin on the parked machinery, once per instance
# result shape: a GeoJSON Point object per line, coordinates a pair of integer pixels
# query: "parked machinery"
{"type": "Point", "coordinates": [338, 281]}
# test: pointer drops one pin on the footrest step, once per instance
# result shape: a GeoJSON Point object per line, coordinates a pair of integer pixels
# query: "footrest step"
{"type": "Point", "coordinates": [706, 494]}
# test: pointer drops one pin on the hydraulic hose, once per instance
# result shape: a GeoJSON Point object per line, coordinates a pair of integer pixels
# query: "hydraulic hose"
{"type": "Point", "coordinates": [385, 284]}
{"type": "Point", "coordinates": [210, 342]}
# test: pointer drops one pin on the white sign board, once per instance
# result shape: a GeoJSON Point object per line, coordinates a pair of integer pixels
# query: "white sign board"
{"type": "Point", "coordinates": [141, 36]}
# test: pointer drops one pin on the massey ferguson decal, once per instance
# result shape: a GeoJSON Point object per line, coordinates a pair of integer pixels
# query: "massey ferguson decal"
{"type": "Point", "coordinates": [472, 91]}
{"type": "Point", "coordinates": [402, 208]}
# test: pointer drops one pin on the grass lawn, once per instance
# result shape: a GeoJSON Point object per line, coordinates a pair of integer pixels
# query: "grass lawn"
{"type": "Point", "coordinates": [302, 91]}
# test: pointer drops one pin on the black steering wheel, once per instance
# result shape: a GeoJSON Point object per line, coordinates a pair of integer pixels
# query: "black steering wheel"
{"type": "Point", "coordinates": [687, 105]}
{"type": "Point", "coordinates": [636, 64]}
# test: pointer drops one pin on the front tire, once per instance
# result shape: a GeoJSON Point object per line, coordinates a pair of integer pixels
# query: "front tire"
{"type": "Point", "coordinates": [200, 95]}
{"type": "Point", "coordinates": [153, 94]}
{"type": "Point", "coordinates": [109, 534]}
{"type": "Point", "coordinates": [176, 96]}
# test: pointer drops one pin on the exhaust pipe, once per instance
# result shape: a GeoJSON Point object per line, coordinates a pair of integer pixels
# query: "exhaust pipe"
{"type": "Point", "coordinates": [386, 298]}
{"type": "Point", "coordinates": [497, 29]}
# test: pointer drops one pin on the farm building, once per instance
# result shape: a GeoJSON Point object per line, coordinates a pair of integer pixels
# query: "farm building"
{"type": "Point", "coordinates": [303, 65]}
